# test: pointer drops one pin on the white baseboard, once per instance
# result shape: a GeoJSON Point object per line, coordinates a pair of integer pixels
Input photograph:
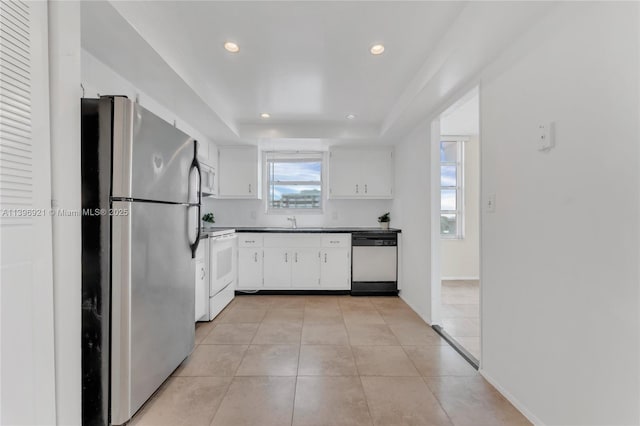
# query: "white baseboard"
{"type": "Point", "coordinates": [460, 278]}
{"type": "Point", "coordinates": [428, 321]}
{"type": "Point", "coordinates": [524, 410]}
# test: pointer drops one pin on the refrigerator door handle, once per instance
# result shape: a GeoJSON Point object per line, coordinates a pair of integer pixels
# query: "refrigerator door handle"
{"type": "Point", "coordinates": [196, 165]}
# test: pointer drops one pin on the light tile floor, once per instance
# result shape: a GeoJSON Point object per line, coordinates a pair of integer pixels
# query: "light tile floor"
{"type": "Point", "coordinates": [461, 313]}
{"type": "Point", "coordinates": [323, 360]}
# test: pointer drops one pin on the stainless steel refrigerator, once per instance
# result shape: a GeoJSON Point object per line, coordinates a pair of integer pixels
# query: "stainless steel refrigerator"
{"type": "Point", "coordinates": [140, 229]}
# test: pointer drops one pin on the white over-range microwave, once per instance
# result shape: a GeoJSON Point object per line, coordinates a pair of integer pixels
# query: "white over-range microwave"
{"type": "Point", "coordinates": [209, 182]}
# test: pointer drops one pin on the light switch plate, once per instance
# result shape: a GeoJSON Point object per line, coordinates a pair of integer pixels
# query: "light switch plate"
{"type": "Point", "coordinates": [545, 136]}
{"type": "Point", "coordinates": [490, 203]}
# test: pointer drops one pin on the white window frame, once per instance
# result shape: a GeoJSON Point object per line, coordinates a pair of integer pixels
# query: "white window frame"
{"type": "Point", "coordinates": [459, 163]}
{"type": "Point", "coordinates": [293, 156]}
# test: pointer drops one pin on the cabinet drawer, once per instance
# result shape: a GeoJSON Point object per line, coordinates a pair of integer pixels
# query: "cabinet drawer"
{"type": "Point", "coordinates": [336, 240]}
{"type": "Point", "coordinates": [292, 241]}
{"type": "Point", "coordinates": [250, 240]}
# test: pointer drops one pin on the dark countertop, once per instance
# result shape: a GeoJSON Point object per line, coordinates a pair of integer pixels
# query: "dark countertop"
{"type": "Point", "coordinates": [305, 230]}
{"type": "Point", "coordinates": [207, 230]}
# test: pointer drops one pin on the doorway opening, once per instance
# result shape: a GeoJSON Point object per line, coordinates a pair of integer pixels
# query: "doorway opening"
{"type": "Point", "coordinates": [458, 245]}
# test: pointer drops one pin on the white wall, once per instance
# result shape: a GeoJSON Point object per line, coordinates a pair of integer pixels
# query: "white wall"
{"type": "Point", "coordinates": [64, 82]}
{"type": "Point", "coordinates": [560, 253]}
{"type": "Point", "coordinates": [411, 209]}
{"type": "Point", "coordinates": [336, 213]}
{"type": "Point", "coordinates": [100, 79]}
{"type": "Point", "coordinates": [463, 117]}
{"type": "Point", "coordinates": [460, 259]}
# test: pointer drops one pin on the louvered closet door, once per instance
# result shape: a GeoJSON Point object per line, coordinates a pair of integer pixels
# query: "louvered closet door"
{"type": "Point", "coordinates": [27, 386]}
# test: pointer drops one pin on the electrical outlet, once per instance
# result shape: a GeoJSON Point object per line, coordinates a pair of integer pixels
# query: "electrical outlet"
{"type": "Point", "coordinates": [545, 136]}
{"type": "Point", "coordinates": [334, 215]}
{"type": "Point", "coordinates": [253, 214]}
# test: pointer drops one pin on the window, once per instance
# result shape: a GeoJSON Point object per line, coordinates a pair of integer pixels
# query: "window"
{"type": "Point", "coordinates": [451, 160]}
{"type": "Point", "coordinates": [294, 182]}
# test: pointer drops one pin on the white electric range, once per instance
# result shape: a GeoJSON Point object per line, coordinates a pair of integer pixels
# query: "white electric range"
{"type": "Point", "coordinates": [220, 254]}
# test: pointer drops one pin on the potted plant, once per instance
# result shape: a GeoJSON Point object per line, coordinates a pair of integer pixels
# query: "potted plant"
{"type": "Point", "coordinates": [384, 220]}
{"type": "Point", "coordinates": [208, 219]}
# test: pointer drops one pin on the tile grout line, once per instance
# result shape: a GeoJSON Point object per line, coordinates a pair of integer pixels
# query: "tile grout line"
{"type": "Point", "coordinates": [295, 384]}
{"type": "Point", "coordinates": [446, 413]}
{"type": "Point", "coordinates": [358, 371]}
{"type": "Point", "coordinates": [414, 366]}
{"type": "Point", "coordinates": [366, 400]}
{"type": "Point", "coordinates": [274, 308]}
{"type": "Point", "coordinates": [226, 391]}
{"type": "Point", "coordinates": [420, 374]}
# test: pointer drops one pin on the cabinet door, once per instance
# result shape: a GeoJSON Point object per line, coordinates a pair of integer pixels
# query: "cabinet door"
{"type": "Point", "coordinates": [238, 173]}
{"type": "Point", "coordinates": [305, 271]}
{"type": "Point", "coordinates": [377, 174]}
{"type": "Point", "coordinates": [344, 174]}
{"type": "Point", "coordinates": [277, 267]}
{"type": "Point", "coordinates": [203, 151]}
{"type": "Point", "coordinates": [335, 268]}
{"type": "Point", "coordinates": [213, 155]}
{"type": "Point", "coordinates": [202, 287]}
{"type": "Point", "coordinates": [249, 268]}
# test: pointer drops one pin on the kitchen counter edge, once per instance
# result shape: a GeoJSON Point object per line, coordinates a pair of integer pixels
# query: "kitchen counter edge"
{"type": "Point", "coordinates": [307, 230]}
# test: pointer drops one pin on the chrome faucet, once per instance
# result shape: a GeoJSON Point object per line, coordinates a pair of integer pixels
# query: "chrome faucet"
{"type": "Point", "coordinates": [292, 219]}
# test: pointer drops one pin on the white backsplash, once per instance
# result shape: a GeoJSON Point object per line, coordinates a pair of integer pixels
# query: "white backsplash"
{"type": "Point", "coordinates": [337, 213]}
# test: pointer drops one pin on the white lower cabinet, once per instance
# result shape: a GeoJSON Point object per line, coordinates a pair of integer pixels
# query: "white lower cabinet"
{"type": "Point", "coordinates": [277, 268]}
{"type": "Point", "coordinates": [305, 269]}
{"type": "Point", "coordinates": [294, 261]}
{"type": "Point", "coordinates": [202, 285]}
{"type": "Point", "coordinates": [335, 268]}
{"type": "Point", "coordinates": [249, 267]}
{"type": "Point", "coordinates": [202, 281]}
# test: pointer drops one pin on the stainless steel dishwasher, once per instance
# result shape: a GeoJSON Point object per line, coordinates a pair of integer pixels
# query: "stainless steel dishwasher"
{"type": "Point", "coordinates": [374, 270]}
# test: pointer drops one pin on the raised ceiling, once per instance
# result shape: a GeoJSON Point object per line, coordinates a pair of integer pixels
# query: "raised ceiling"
{"type": "Point", "coordinates": [307, 64]}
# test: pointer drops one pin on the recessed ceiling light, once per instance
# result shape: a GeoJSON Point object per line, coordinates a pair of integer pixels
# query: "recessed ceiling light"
{"type": "Point", "coordinates": [265, 115]}
{"type": "Point", "coordinates": [232, 47]}
{"type": "Point", "coordinates": [377, 49]}
{"type": "Point", "coordinates": [350, 116]}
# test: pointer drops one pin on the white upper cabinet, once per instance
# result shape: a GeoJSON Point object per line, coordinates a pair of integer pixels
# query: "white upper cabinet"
{"type": "Point", "coordinates": [344, 173]}
{"type": "Point", "coordinates": [208, 153]}
{"type": "Point", "coordinates": [377, 173]}
{"type": "Point", "coordinates": [203, 151]}
{"type": "Point", "coordinates": [361, 173]}
{"type": "Point", "coordinates": [239, 172]}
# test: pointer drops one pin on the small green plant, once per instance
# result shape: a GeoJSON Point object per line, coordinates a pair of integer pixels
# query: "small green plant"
{"type": "Point", "coordinates": [384, 218]}
{"type": "Point", "coordinates": [209, 218]}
